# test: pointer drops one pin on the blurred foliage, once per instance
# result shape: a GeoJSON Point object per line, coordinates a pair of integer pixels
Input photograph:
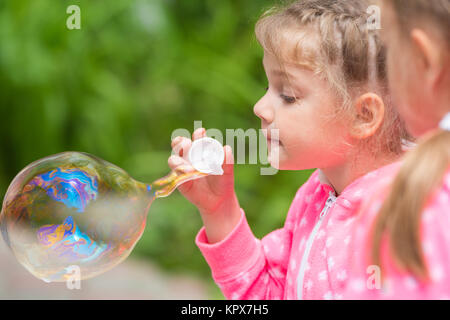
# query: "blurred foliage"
{"type": "Point", "coordinates": [136, 71]}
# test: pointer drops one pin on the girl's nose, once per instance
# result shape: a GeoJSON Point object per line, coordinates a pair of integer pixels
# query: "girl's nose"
{"type": "Point", "coordinates": [263, 109]}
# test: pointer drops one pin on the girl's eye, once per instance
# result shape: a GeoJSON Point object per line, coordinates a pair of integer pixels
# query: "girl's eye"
{"type": "Point", "coordinates": [288, 99]}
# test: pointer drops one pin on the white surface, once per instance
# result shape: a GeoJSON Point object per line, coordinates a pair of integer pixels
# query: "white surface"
{"type": "Point", "coordinates": [206, 155]}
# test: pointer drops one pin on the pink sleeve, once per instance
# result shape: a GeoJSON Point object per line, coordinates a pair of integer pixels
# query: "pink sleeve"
{"type": "Point", "coordinates": [397, 283]}
{"type": "Point", "coordinates": [245, 267]}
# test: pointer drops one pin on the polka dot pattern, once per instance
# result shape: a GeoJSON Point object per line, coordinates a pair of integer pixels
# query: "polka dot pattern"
{"type": "Point", "coordinates": [279, 265]}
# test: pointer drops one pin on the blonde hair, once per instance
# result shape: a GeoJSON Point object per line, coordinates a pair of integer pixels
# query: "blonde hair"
{"type": "Point", "coordinates": [342, 50]}
{"type": "Point", "coordinates": [422, 170]}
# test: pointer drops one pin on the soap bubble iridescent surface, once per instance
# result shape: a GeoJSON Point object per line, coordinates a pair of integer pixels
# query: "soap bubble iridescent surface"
{"type": "Point", "coordinates": [73, 209]}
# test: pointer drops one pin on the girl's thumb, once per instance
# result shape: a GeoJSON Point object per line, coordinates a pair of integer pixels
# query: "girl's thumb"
{"type": "Point", "coordinates": [228, 163]}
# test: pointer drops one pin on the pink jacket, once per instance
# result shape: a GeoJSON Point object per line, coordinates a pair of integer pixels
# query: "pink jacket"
{"type": "Point", "coordinates": [398, 284]}
{"type": "Point", "coordinates": [309, 258]}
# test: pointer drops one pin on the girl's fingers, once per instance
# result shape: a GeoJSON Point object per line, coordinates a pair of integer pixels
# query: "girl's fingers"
{"type": "Point", "coordinates": [185, 145]}
{"type": "Point", "coordinates": [199, 133]}
{"type": "Point", "coordinates": [175, 141]}
{"type": "Point", "coordinates": [181, 146]}
{"type": "Point", "coordinates": [185, 168]}
{"type": "Point", "coordinates": [228, 163]}
{"type": "Point", "coordinates": [176, 161]}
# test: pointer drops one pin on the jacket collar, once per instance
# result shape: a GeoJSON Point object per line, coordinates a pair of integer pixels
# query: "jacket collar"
{"type": "Point", "coordinates": [362, 187]}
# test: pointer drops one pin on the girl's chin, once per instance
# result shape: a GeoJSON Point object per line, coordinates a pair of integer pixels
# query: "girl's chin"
{"type": "Point", "coordinates": [275, 156]}
{"type": "Point", "coordinates": [281, 161]}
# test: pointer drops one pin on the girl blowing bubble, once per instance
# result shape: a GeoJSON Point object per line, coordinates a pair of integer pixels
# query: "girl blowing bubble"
{"type": "Point", "coordinates": [405, 231]}
{"type": "Point", "coordinates": [327, 100]}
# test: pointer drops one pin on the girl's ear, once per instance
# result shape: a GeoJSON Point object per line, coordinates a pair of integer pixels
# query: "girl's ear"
{"type": "Point", "coordinates": [428, 51]}
{"type": "Point", "coordinates": [369, 115]}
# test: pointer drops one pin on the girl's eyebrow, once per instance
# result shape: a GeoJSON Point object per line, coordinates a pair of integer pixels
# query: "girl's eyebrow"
{"type": "Point", "coordinates": [278, 73]}
{"type": "Point", "coordinates": [285, 75]}
{"type": "Point", "coordinates": [282, 74]}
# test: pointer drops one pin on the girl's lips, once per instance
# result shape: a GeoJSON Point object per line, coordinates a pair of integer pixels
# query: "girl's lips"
{"type": "Point", "coordinates": [269, 141]}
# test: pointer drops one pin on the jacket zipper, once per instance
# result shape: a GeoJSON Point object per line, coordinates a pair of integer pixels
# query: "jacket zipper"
{"type": "Point", "coordinates": [330, 201]}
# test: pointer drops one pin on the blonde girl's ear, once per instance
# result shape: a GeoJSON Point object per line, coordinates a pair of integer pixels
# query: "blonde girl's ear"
{"type": "Point", "coordinates": [369, 115]}
{"type": "Point", "coordinates": [428, 50]}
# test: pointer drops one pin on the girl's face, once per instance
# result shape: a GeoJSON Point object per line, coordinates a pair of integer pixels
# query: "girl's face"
{"type": "Point", "coordinates": [302, 106]}
{"type": "Point", "coordinates": [407, 80]}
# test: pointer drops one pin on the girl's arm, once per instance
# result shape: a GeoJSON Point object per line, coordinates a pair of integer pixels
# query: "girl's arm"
{"type": "Point", "coordinates": [222, 221]}
{"type": "Point", "coordinates": [245, 267]}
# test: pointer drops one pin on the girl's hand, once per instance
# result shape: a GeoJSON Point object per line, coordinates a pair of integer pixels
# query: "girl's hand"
{"type": "Point", "coordinates": [213, 195]}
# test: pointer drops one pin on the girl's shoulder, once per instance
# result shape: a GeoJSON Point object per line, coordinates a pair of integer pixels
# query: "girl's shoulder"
{"type": "Point", "coordinates": [310, 186]}
{"type": "Point", "coordinates": [310, 192]}
{"type": "Point", "coordinates": [439, 204]}
{"type": "Point", "coordinates": [435, 240]}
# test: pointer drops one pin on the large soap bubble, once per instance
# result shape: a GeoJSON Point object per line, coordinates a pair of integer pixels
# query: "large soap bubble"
{"type": "Point", "coordinates": [74, 209]}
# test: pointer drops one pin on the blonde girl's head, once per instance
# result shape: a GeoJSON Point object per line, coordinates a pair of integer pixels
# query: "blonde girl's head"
{"type": "Point", "coordinates": [331, 39]}
{"type": "Point", "coordinates": [417, 33]}
{"type": "Point", "coordinates": [418, 36]}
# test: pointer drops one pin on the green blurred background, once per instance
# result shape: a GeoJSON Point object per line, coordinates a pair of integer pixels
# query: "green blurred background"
{"type": "Point", "coordinates": [118, 87]}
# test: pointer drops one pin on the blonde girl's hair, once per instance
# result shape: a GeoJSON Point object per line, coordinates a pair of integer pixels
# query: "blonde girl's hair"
{"type": "Point", "coordinates": [340, 48]}
{"type": "Point", "coordinates": [423, 169]}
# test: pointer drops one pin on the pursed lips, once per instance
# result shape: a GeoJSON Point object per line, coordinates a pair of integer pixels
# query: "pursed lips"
{"type": "Point", "coordinates": [269, 137]}
{"type": "Point", "coordinates": [275, 141]}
